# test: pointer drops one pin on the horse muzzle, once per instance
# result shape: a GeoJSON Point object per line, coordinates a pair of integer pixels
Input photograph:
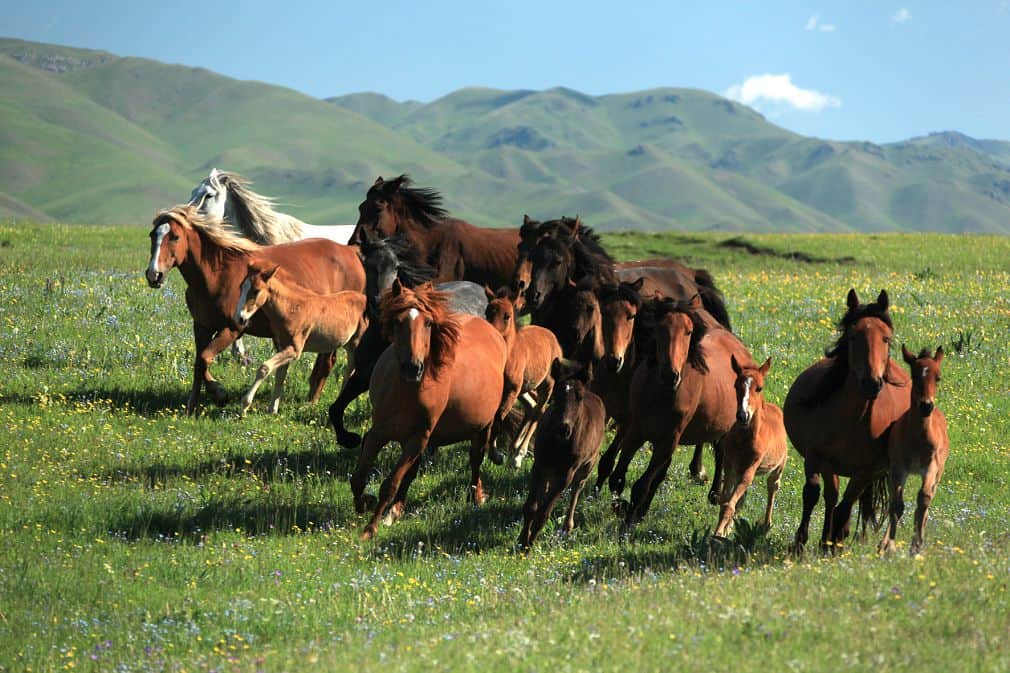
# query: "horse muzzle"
{"type": "Point", "coordinates": [926, 408]}
{"type": "Point", "coordinates": [155, 279]}
{"type": "Point", "coordinates": [412, 371]}
{"type": "Point", "coordinates": [743, 416]}
{"type": "Point", "coordinates": [566, 429]}
{"type": "Point", "coordinates": [613, 363]}
{"type": "Point", "coordinates": [671, 378]}
{"type": "Point", "coordinates": [870, 388]}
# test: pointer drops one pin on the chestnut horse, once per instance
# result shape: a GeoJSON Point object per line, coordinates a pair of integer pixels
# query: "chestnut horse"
{"type": "Point", "coordinates": [456, 248]}
{"type": "Point", "coordinates": [531, 352]}
{"type": "Point", "coordinates": [838, 411]}
{"type": "Point", "coordinates": [683, 394]}
{"type": "Point", "coordinates": [300, 319]}
{"type": "Point", "coordinates": [439, 383]}
{"type": "Point", "coordinates": [755, 445]}
{"type": "Point", "coordinates": [918, 444]}
{"type": "Point", "coordinates": [214, 263]}
{"type": "Point", "coordinates": [566, 449]}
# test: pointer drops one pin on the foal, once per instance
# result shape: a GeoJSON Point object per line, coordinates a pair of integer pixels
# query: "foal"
{"type": "Point", "coordinates": [918, 444]}
{"type": "Point", "coordinates": [755, 445]}
{"type": "Point", "coordinates": [299, 319]}
{"type": "Point", "coordinates": [531, 351]}
{"type": "Point", "coordinates": [567, 447]}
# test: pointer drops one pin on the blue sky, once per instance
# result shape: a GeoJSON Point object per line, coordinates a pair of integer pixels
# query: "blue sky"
{"type": "Point", "coordinates": [858, 70]}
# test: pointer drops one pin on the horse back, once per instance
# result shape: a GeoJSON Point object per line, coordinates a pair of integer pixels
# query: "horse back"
{"type": "Point", "coordinates": [318, 264]}
{"type": "Point", "coordinates": [715, 412]}
{"type": "Point", "coordinates": [486, 256]}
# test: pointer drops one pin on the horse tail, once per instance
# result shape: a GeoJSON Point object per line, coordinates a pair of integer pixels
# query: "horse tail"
{"type": "Point", "coordinates": [711, 297]}
{"type": "Point", "coordinates": [873, 503]}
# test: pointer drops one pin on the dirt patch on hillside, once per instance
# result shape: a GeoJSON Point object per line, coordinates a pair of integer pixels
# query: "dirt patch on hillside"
{"type": "Point", "coordinates": [739, 243]}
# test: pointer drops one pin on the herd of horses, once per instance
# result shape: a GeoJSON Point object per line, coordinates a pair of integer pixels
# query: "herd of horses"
{"type": "Point", "coordinates": [428, 308]}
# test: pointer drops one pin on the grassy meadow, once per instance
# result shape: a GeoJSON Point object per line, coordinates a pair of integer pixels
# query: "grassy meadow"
{"type": "Point", "coordinates": [137, 539]}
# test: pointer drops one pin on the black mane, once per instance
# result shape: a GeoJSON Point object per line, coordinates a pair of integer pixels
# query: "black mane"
{"type": "Point", "coordinates": [422, 204]}
{"type": "Point", "coordinates": [653, 311]}
{"type": "Point", "coordinates": [411, 269]}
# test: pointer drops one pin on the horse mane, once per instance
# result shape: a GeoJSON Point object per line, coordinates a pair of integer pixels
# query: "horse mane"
{"type": "Point", "coordinates": [838, 353]}
{"type": "Point", "coordinates": [219, 233]}
{"type": "Point", "coordinates": [411, 269]}
{"type": "Point", "coordinates": [711, 297]}
{"type": "Point", "coordinates": [924, 354]}
{"type": "Point", "coordinates": [655, 309]}
{"type": "Point", "coordinates": [445, 329]}
{"type": "Point", "coordinates": [623, 291]}
{"type": "Point", "coordinates": [254, 213]}
{"type": "Point", "coordinates": [422, 203]}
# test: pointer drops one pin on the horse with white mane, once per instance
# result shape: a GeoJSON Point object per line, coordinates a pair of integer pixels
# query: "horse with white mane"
{"type": "Point", "coordinates": [227, 196]}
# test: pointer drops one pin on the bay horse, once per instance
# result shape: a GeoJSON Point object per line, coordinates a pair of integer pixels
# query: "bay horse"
{"type": "Point", "coordinates": [300, 319]}
{"type": "Point", "coordinates": [531, 352]}
{"type": "Point", "coordinates": [566, 449]}
{"type": "Point", "coordinates": [439, 383]}
{"type": "Point", "coordinates": [214, 263]}
{"type": "Point", "coordinates": [755, 445]}
{"type": "Point", "coordinates": [226, 197]}
{"type": "Point", "coordinates": [682, 394]}
{"type": "Point", "coordinates": [918, 444]}
{"type": "Point", "coordinates": [457, 249]}
{"type": "Point", "coordinates": [386, 260]}
{"type": "Point", "coordinates": [838, 412]}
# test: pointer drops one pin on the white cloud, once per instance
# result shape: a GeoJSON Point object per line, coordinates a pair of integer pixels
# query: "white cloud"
{"type": "Point", "coordinates": [901, 16]}
{"type": "Point", "coordinates": [814, 23]}
{"type": "Point", "coordinates": [780, 89]}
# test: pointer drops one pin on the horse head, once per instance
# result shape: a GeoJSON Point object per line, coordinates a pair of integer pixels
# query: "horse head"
{"type": "Point", "coordinates": [421, 332]}
{"type": "Point", "coordinates": [501, 311]}
{"type": "Point", "coordinates": [571, 384]}
{"type": "Point", "coordinates": [619, 306]}
{"type": "Point", "coordinates": [253, 293]}
{"type": "Point", "coordinates": [169, 245]}
{"type": "Point", "coordinates": [381, 266]}
{"type": "Point", "coordinates": [749, 384]}
{"type": "Point", "coordinates": [925, 377]}
{"type": "Point", "coordinates": [210, 197]}
{"type": "Point", "coordinates": [678, 334]}
{"type": "Point", "coordinates": [551, 267]}
{"type": "Point", "coordinates": [867, 332]}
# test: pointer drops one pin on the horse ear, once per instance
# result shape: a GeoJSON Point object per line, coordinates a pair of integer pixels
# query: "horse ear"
{"type": "Point", "coordinates": [765, 367]}
{"type": "Point", "coordinates": [695, 303]}
{"type": "Point", "coordinates": [378, 182]}
{"type": "Point", "coordinates": [637, 285]}
{"type": "Point", "coordinates": [489, 294]}
{"type": "Point", "coordinates": [572, 283]}
{"type": "Point", "coordinates": [270, 274]}
{"type": "Point", "coordinates": [908, 355]}
{"type": "Point", "coordinates": [882, 300]}
{"type": "Point", "coordinates": [737, 369]}
{"type": "Point", "coordinates": [852, 301]}
{"type": "Point", "coordinates": [396, 182]}
{"type": "Point", "coordinates": [526, 220]}
{"type": "Point", "coordinates": [558, 369]}
{"type": "Point", "coordinates": [938, 357]}
{"type": "Point", "coordinates": [397, 287]}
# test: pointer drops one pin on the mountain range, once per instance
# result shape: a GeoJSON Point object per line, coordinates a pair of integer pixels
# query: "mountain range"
{"type": "Point", "coordinates": [87, 136]}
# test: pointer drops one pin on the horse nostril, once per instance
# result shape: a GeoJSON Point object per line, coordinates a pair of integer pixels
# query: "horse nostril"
{"type": "Point", "coordinates": [742, 417]}
{"type": "Point", "coordinates": [566, 429]}
{"type": "Point", "coordinates": [926, 408]}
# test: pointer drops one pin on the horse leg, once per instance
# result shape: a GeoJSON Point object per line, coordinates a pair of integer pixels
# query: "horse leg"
{"type": "Point", "coordinates": [811, 494]}
{"type": "Point", "coordinates": [735, 485]}
{"type": "Point", "coordinates": [219, 343]}
{"type": "Point", "coordinates": [201, 336]}
{"type": "Point", "coordinates": [400, 501]}
{"type": "Point", "coordinates": [369, 349]}
{"type": "Point", "coordinates": [830, 501]}
{"type": "Point", "coordinates": [578, 482]}
{"type": "Point", "coordinates": [645, 488]}
{"type": "Point", "coordinates": [895, 509]}
{"type": "Point", "coordinates": [373, 443]}
{"type": "Point", "coordinates": [320, 370]}
{"type": "Point", "coordinates": [926, 492]}
{"type": "Point", "coordinates": [631, 442]}
{"type": "Point", "coordinates": [279, 359]}
{"type": "Point", "coordinates": [279, 377]}
{"type": "Point", "coordinates": [239, 351]}
{"type": "Point", "coordinates": [545, 486]}
{"type": "Point", "coordinates": [409, 455]}
{"type": "Point", "coordinates": [713, 492]}
{"type": "Point", "coordinates": [478, 447]}
{"type": "Point", "coordinates": [697, 466]}
{"type": "Point", "coordinates": [774, 482]}
{"type": "Point", "coordinates": [609, 457]}
{"type": "Point", "coordinates": [857, 487]}
{"type": "Point", "coordinates": [543, 399]}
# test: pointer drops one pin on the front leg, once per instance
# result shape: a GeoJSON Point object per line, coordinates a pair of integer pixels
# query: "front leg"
{"type": "Point", "coordinates": [410, 454]}
{"type": "Point", "coordinates": [221, 341]}
{"type": "Point", "coordinates": [201, 337]}
{"type": "Point", "coordinates": [896, 507]}
{"type": "Point", "coordinates": [645, 488]}
{"type": "Point", "coordinates": [281, 358]}
{"type": "Point", "coordinates": [929, 483]}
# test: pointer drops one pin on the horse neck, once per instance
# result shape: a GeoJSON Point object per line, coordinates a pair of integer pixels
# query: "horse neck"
{"type": "Point", "coordinates": [510, 334]}
{"type": "Point", "coordinates": [203, 264]}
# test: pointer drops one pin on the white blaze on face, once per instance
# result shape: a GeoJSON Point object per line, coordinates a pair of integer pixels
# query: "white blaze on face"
{"type": "Point", "coordinates": [240, 312]}
{"type": "Point", "coordinates": [925, 373]}
{"type": "Point", "coordinates": [745, 402]}
{"type": "Point", "coordinates": [160, 232]}
{"type": "Point", "coordinates": [413, 313]}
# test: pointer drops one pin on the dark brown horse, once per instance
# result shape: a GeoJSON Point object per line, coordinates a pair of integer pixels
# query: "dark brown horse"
{"type": "Point", "coordinates": [214, 263]}
{"type": "Point", "coordinates": [566, 449]}
{"type": "Point", "coordinates": [918, 444]}
{"type": "Point", "coordinates": [456, 248]}
{"type": "Point", "coordinates": [440, 382]}
{"type": "Point", "coordinates": [838, 411]}
{"type": "Point", "coordinates": [682, 394]}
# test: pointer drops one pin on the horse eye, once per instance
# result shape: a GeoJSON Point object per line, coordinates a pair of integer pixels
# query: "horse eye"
{"type": "Point", "coordinates": [427, 323]}
{"type": "Point", "coordinates": [758, 389]}
{"type": "Point", "coordinates": [173, 237]}
{"type": "Point", "coordinates": [507, 317]}
{"type": "Point", "coordinates": [887, 340]}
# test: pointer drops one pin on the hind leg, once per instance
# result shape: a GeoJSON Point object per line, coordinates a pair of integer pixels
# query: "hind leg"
{"type": "Point", "coordinates": [609, 457]}
{"type": "Point", "coordinates": [811, 494]}
{"type": "Point", "coordinates": [478, 448]}
{"type": "Point", "coordinates": [830, 501]}
{"type": "Point", "coordinates": [320, 370]}
{"type": "Point", "coordinates": [895, 509]}
{"type": "Point", "coordinates": [774, 482]}
{"type": "Point", "coordinates": [578, 482]}
{"type": "Point", "coordinates": [717, 476]}
{"type": "Point", "coordinates": [697, 466]}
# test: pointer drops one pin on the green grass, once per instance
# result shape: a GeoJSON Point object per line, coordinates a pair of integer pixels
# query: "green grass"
{"type": "Point", "coordinates": [137, 539]}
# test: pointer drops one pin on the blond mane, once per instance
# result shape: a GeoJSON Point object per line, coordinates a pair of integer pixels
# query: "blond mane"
{"type": "Point", "coordinates": [219, 232]}
{"type": "Point", "coordinates": [254, 213]}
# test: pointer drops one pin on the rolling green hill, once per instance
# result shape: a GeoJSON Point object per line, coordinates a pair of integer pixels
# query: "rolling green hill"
{"type": "Point", "coordinates": [88, 136]}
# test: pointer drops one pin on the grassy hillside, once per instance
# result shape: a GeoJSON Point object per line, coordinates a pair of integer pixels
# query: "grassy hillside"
{"type": "Point", "coordinates": [137, 539]}
{"type": "Point", "coordinates": [93, 137]}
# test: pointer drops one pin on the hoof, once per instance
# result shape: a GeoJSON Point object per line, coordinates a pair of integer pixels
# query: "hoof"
{"type": "Point", "coordinates": [516, 462]}
{"type": "Point", "coordinates": [348, 439]}
{"type": "Point", "coordinates": [699, 477]}
{"type": "Point", "coordinates": [620, 507]}
{"type": "Point", "coordinates": [365, 503]}
{"type": "Point", "coordinates": [368, 533]}
{"type": "Point", "coordinates": [887, 548]}
{"type": "Point", "coordinates": [713, 498]}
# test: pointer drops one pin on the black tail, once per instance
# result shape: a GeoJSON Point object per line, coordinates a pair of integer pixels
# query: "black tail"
{"type": "Point", "coordinates": [711, 297]}
{"type": "Point", "coordinates": [873, 503]}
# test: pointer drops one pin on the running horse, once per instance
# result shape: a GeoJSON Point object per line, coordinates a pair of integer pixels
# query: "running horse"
{"type": "Point", "coordinates": [439, 383]}
{"type": "Point", "coordinates": [457, 249]}
{"type": "Point", "coordinates": [214, 263]}
{"type": "Point", "coordinates": [838, 414]}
